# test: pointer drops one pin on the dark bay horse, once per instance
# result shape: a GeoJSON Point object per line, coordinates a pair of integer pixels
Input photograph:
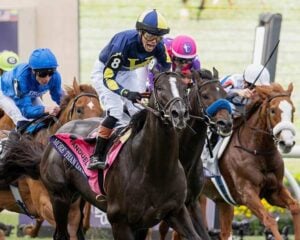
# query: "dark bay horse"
{"type": "Point", "coordinates": [208, 109]}
{"type": "Point", "coordinates": [251, 163]}
{"type": "Point", "coordinates": [145, 185]}
{"type": "Point", "coordinates": [80, 102]}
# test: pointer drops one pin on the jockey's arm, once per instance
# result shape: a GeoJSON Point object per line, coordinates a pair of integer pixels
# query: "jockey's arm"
{"type": "Point", "coordinates": [110, 72]}
{"type": "Point", "coordinates": [27, 109]}
{"type": "Point", "coordinates": [56, 91]}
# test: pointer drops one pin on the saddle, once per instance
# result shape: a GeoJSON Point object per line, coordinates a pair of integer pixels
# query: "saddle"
{"type": "Point", "coordinates": [32, 127]}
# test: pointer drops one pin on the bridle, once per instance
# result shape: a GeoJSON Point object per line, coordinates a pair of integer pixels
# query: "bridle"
{"type": "Point", "coordinates": [204, 115]}
{"type": "Point", "coordinates": [163, 112]}
{"type": "Point", "coordinates": [271, 131]}
{"type": "Point", "coordinates": [91, 95]}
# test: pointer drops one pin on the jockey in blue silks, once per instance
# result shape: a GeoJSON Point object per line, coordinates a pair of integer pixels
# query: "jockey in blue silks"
{"type": "Point", "coordinates": [22, 87]}
{"type": "Point", "coordinates": [115, 74]}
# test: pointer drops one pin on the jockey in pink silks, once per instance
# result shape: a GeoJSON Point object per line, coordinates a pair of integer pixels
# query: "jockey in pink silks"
{"type": "Point", "coordinates": [183, 53]}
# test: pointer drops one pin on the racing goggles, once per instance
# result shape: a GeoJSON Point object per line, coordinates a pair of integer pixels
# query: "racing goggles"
{"type": "Point", "coordinates": [44, 72]}
{"type": "Point", "coordinates": [182, 60]}
{"type": "Point", "coordinates": [150, 37]}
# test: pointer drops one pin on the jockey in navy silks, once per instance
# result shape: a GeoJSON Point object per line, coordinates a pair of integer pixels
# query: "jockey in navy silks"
{"type": "Point", "coordinates": [114, 75]}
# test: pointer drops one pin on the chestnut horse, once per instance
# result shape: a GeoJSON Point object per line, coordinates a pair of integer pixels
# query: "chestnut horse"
{"type": "Point", "coordinates": [208, 109]}
{"type": "Point", "coordinates": [252, 165]}
{"type": "Point", "coordinates": [140, 185]}
{"type": "Point", "coordinates": [80, 102]}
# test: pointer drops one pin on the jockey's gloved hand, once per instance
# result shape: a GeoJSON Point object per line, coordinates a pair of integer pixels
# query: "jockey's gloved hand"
{"type": "Point", "coordinates": [132, 96]}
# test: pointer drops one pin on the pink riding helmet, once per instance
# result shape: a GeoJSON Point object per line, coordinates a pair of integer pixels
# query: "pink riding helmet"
{"type": "Point", "coordinates": [184, 47]}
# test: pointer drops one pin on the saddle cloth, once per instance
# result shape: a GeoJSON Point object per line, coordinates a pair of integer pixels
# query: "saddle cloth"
{"type": "Point", "coordinates": [77, 151]}
{"type": "Point", "coordinates": [211, 167]}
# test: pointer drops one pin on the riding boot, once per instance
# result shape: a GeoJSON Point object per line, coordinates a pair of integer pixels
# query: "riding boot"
{"type": "Point", "coordinates": [97, 160]}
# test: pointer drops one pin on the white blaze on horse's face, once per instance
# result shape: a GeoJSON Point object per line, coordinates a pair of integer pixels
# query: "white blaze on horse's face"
{"type": "Point", "coordinates": [286, 109]}
{"type": "Point", "coordinates": [174, 89]}
{"type": "Point", "coordinates": [285, 127]}
{"type": "Point", "coordinates": [91, 105]}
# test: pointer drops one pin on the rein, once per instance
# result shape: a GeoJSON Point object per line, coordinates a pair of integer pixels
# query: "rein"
{"type": "Point", "coordinates": [76, 99]}
{"type": "Point", "coordinates": [203, 115]}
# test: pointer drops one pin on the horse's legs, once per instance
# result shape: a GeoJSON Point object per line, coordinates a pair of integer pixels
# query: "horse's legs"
{"type": "Point", "coordinates": [283, 198]}
{"type": "Point", "coordinates": [203, 203]}
{"type": "Point", "coordinates": [75, 221]}
{"type": "Point", "coordinates": [33, 230]}
{"type": "Point", "coordinates": [122, 231]}
{"type": "Point", "coordinates": [182, 224]}
{"type": "Point", "coordinates": [141, 234]}
{"type": "Point", "coordinates": [197, 219]}
{"type": "Point", "coordinates": [225, 217]}
{"type": "Point", "coordinates": [86, 216]}
{"type": "Point", "coordinates": [251, 199]}
{"type": "Point", "coordinates": [61, 208]}
{"type": "Point", "coordinates": [163, 230]}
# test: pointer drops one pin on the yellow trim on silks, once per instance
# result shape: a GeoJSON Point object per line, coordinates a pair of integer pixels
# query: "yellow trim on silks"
{"type": "Point", "coordinates": [108, 73]}
{"type": "Point", "coordinates": [161, 21]}
{"type": "Point", "coordinates": [112, 84]}
{"type": "Point", "coordinates": [168, 58]}
{"type": "Point", "coordinates": [143, 14]}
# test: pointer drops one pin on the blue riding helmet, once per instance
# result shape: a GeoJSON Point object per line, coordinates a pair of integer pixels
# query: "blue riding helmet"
{"type": "Point", "coordinates": [152, 22]}
{"type": "Point", "coordinates": [42, 58]}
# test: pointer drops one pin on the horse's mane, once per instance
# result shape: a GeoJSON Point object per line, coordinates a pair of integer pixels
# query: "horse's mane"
{"type": "Point", "coordinates": [137, 121]}
{"type": "Point", "coordinates": [263, 93]}
{"type": "Point", "coordinates": [205, 74]}
{"type": "Point", "coordinates": [71, 94]}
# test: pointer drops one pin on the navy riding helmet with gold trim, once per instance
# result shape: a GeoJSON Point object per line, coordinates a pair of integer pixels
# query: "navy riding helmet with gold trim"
{"type": "Point", "coordinates": [152, 22]}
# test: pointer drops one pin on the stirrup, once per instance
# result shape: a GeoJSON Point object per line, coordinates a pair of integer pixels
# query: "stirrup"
{"type": "Point", "coordinates": [95, 163]}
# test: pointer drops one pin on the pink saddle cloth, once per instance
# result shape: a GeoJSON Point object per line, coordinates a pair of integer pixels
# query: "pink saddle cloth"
{"type": "Point", "coordinates": [77, 151]}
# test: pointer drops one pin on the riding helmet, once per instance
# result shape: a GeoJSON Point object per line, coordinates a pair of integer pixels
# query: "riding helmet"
{"type": "Point", "coordinates": [8, 60]}
{"type": "Point", "coordinates": [184, 47]}
{"type": "Point", "coordinates": [152, 22]}
{"type": "Point", "coordinates": [253, 71]}
{"type": "Point", "coordinates": [42, 58]}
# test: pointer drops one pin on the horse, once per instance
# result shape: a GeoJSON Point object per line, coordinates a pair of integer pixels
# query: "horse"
{"type": "Point", "coordinates": [80, 102]}
{"type": "Point", "coordinates": [141, 189]}
{"type": "Point", "coordinates": [251, 164]}
{"type": "Point", "coordinates": [208, 109]}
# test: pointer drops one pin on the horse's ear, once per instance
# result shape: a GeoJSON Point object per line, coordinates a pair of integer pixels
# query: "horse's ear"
{"type": "Point", "coordinates": [195, 75]}
{"type": "Point", "coordinates": [76, 86]}
{"type": "Point", "coordinates": [215, 73]}
{"type": "Point", "coordinates": [290, 88]}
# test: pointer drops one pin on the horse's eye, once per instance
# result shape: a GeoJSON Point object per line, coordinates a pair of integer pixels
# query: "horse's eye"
{"type": "Point", "coordinates": [79, 110]}
{"type": "Point", "coordinates": [205, 96]}
{"type": "Point", "coordinates": [273, 111]}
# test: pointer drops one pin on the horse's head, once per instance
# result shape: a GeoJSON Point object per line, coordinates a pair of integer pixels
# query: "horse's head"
{"type": "Point", "coordinates": [279, 109]}
{"type": "Point", "coordinates": [207, 98]}
{"type": "Point", "coordinates": [168, 98]}
{"type": "Point", "coordinates": [80, 102]}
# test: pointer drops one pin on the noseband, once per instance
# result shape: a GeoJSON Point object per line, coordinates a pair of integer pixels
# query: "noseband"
{"type": "Point", "coordinates": [91, 95]}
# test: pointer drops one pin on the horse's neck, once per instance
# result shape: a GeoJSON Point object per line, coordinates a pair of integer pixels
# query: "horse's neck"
{"type": "Point", "coordinates": [256, 126]}
{"type": "Point", "coordinates": [162, 143]}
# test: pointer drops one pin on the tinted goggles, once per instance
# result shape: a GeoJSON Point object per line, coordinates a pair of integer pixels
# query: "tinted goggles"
{"type": "Point", "coordinates": [182, 60]}
{"type": "Point", "coordinates": [150, 37]}
{"type": "Point", "coordinates": [45, 72]}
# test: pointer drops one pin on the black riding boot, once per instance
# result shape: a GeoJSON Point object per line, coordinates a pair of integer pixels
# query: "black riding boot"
{"type": "Point", "coordinates": [97, 160]}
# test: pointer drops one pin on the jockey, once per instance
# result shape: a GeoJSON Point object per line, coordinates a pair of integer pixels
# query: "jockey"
{"type": "Point", "coordinates": [183, 53]}
{"type": "Point", "coordinates": [240, 87]}
{"type": "Point", "coordinates": [114, 74]}
{"type": "Point", "coordinates": [21, 88]}
{"type": "Point", "coordinates": [8, 60]}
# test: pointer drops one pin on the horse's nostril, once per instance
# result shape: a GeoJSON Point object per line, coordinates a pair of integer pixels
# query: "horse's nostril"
{"type": "Point", "coordinates": [174, 114]}
{"type": "Point", "coordinates": [186, 115]}
{"type": "Point", "coordinates": [221, 123]}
